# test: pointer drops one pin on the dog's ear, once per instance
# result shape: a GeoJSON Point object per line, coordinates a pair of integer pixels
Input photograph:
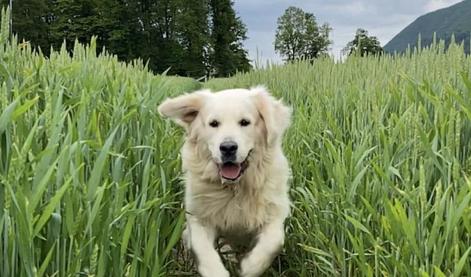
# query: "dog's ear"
{"type": "Point", "coordinates": [183, 109]}
{"type": "Point", "coordinates": [275, 114]}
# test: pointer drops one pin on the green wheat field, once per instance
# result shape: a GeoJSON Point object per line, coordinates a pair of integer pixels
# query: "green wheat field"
{"type": "Point", "coordinates": [90, 177]}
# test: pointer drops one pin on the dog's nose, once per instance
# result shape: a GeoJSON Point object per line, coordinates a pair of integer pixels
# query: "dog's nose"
{"type": "Point", "coordinates": [228, 148]}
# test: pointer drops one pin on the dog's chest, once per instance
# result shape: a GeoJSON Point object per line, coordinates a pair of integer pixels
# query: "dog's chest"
{"type": "Point", "coordinates": [232, 209]}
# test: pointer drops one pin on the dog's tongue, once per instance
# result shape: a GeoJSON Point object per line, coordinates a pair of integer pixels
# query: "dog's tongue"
{"type": "Point", "coordinates": [230, 171]}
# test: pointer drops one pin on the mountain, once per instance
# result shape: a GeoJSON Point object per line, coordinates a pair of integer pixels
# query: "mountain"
{"type": "Point", "coordinates": [455, 20]}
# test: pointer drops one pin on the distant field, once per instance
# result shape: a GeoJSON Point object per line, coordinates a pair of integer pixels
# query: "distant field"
{"type": "Point", "coordinates": [380, 153]}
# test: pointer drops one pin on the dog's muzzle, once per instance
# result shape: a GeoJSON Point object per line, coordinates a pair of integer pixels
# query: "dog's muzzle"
{"type": "Point", "coordinates": [230, 171]}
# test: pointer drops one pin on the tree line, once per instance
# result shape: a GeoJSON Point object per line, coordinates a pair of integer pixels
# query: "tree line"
{"type": "Point", "coordinates": [197, 38]}
{"type": "Point", "coordinates": [189, 38]}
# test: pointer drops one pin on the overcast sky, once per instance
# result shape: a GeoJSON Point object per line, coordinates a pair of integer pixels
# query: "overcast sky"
{"type": "Point", "coordinates": [382, 18]}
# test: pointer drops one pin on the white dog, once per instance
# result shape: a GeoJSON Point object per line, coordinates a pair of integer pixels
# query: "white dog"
{"type": "Point", "coordinates": [236, 174]}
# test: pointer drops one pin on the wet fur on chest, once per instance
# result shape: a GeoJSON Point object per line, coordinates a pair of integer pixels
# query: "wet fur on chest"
{"type": "Point", "coordinates": [230, 208]}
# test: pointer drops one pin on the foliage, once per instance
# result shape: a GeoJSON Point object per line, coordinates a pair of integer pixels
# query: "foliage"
{"type": "Point", "coordinates": [299, 37]}
{"type": "Point", "coordinates": [379, 149]}
{"type": "Point", "coordinates": [194, 33]}
{"type": "Point", "coordinates": [228, 32]}
{"type": "Point", "coordinates": [363, 44]}
{"type": "Point", "coordinates": [72, 19]}
{"type": "Point", "coordinates": [174, 35]}
{"type": "Point", "coordinates": [32, 13]}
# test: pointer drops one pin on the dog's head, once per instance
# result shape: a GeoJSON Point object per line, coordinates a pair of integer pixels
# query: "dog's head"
{"type": "Point", "coordinates": [230, 124]}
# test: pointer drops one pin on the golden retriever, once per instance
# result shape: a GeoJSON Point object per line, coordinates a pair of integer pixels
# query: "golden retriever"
{"type": "Point", "coordinates": [236, 174]}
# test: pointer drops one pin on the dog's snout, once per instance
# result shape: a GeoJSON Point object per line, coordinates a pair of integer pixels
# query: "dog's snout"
{"type": "Point", "coordinates": [228, 148]}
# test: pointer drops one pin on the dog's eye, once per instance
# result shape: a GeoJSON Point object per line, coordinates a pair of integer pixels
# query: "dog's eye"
{"type": "Point", "coordinates": [244, 122]}
{"type": "Point", "coordinates": [214, 123]}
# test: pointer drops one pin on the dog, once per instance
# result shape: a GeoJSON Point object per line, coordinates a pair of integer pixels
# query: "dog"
{"type": "Point", "coordinates": [236, 174]}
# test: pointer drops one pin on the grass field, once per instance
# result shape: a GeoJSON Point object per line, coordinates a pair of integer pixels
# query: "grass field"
{"type": "Point", "coordinates": [380, 152]}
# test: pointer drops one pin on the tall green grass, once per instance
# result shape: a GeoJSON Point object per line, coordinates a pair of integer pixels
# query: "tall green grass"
{"type": "Point", "coordinates": [379, 148]}
{"type": "Point", "coordinates": [88, 174]}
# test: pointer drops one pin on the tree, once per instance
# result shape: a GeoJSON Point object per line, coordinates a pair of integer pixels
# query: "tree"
{"type": "Point", "coordinates": [363, 44]}
{"type": "Point", "coordinates": [193, 32]}
{"type": "Point", "coordinates": [72, 20]}
{"type": "Point", "coordinates": [190, 38]}
{"type": "Point", "coordinates": [158, 37]}
{"type": "Point", "coordinates": [30, 21]}
{"type": "Point", "coordinates": [228, 32]}
{"type": "Point", "coordinates": [298, 35]}
{"type": "Point", "coordinates": [118, 28]}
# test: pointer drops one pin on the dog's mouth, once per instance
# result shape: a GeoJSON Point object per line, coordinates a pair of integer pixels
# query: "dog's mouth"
{"type": "Point", "coordinates": [231, 171]}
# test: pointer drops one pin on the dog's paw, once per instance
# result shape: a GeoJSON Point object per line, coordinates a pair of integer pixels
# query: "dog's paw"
{"type": "Point", "coordinates": [213, 271]}
{"type": "Point", "coordinates": [250, 267]}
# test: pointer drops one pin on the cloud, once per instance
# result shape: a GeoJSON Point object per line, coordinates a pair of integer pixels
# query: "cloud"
{"type": "Point", "coordinates": [382, 18]}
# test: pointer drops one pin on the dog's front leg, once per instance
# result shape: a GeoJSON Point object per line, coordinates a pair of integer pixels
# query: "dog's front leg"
{"type": "Point", "coordinates": [201, 241]}
{"type": "Point", "coordinates": [270, 241]}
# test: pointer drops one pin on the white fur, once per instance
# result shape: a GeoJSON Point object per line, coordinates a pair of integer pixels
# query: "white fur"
{"type": "Point", "coordinates": [257, 204]}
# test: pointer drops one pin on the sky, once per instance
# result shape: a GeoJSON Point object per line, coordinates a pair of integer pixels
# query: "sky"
{"type": "Point", "coordinates": [382, 18]}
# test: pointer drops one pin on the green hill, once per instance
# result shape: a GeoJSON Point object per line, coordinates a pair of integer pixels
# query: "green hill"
{"type": "Point", "coordinates": [455, 20]}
